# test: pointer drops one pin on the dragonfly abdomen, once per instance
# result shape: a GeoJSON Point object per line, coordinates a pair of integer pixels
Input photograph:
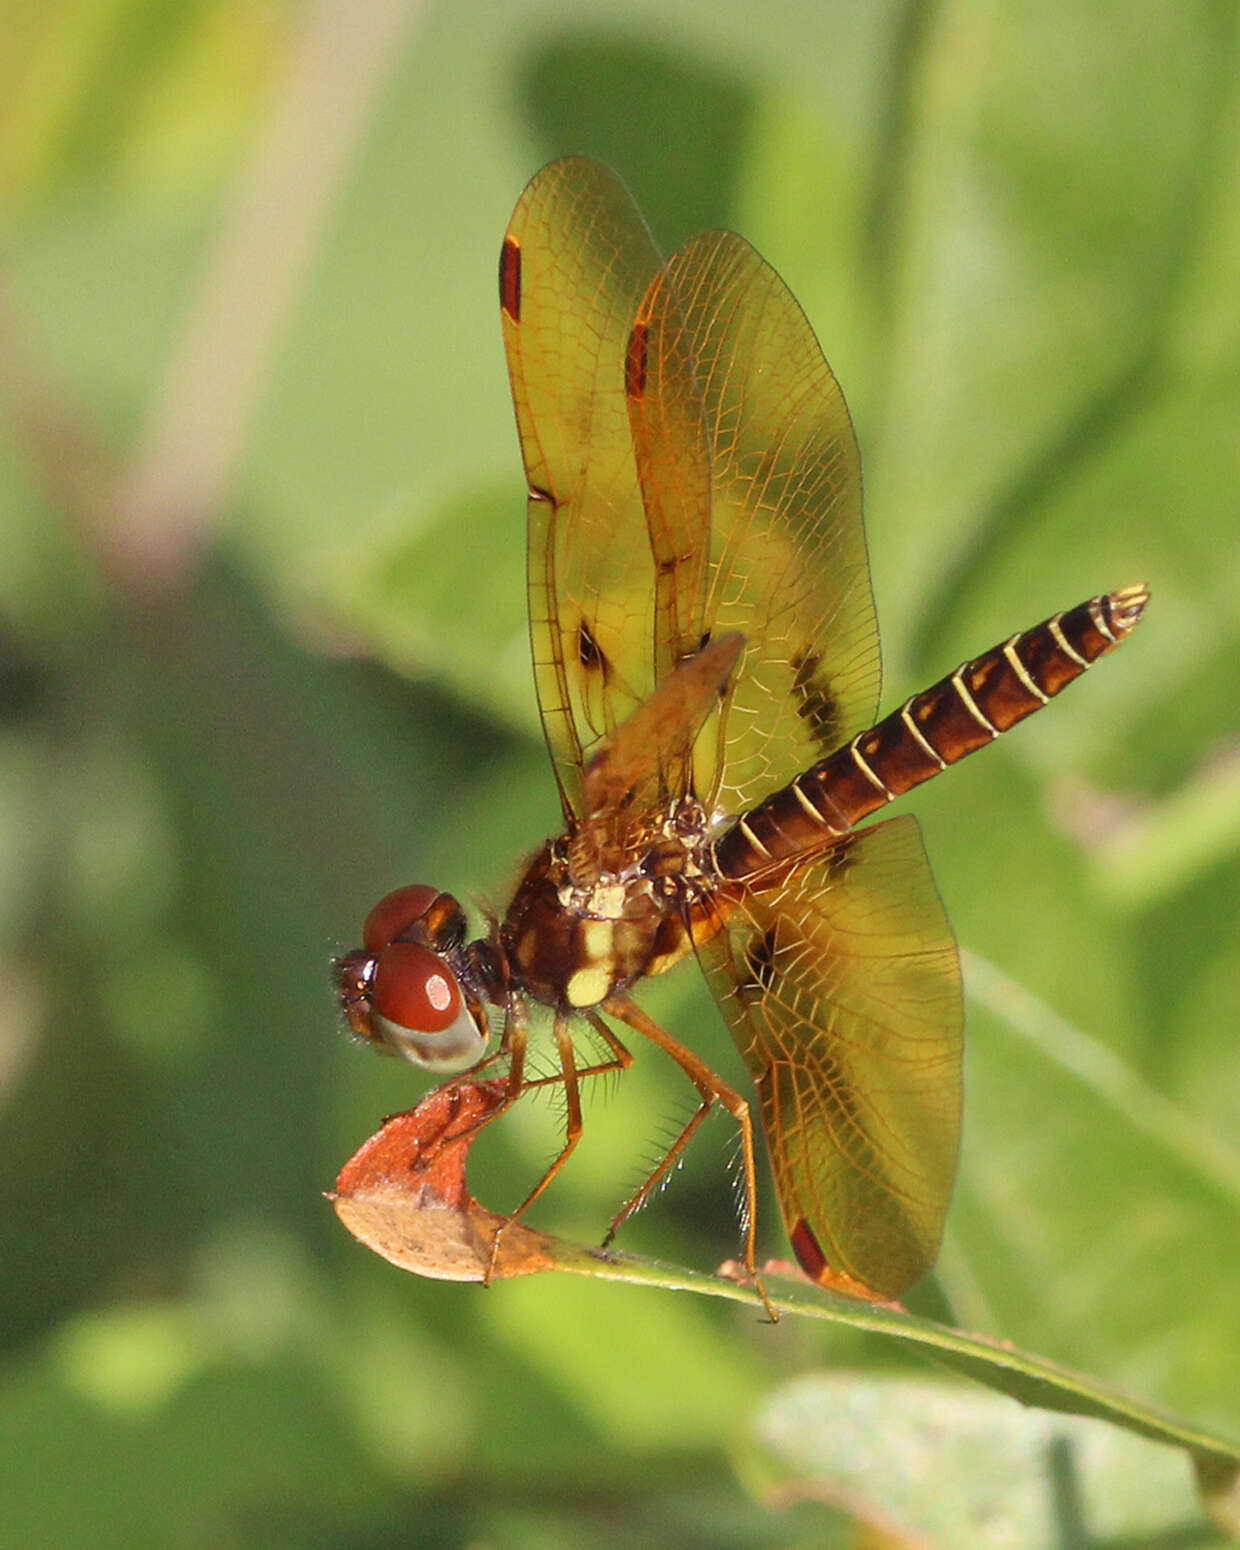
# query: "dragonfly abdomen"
{"type": "Point", "coordinates": [961, 713]}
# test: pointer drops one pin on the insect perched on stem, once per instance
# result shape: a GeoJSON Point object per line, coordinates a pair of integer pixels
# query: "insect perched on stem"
{"type": "Point", "coordinates": [707, 665]}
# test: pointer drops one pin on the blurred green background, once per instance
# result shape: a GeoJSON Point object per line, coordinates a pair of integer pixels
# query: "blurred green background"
{"type": "Point", "coordinates": [262, 657]}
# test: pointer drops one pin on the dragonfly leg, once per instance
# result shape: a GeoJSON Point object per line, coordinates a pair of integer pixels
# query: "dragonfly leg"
{"type": "Point", "coordinates": [621, 1057]}
{"type": "Point", "coordinates": [569, 1075]}
{"type": "Point", "coordinates": [713, 1090]}
{"type": "Point", "coordinates": [513, 1049]}
{"type": "Point", "coordinates": [665, 1165]}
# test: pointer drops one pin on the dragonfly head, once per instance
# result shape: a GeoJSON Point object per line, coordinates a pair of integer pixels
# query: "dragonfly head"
{"type": "Point", "coordinates": [401, 990]}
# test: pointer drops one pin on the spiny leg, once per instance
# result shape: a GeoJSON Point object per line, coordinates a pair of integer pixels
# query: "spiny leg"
{"type": "Point", "coordinates": [513, 1049]}
{"type": "Point", "coordinates": [713, 1089]}
{"type": "Point", "coordinates": [661, 1170]}
{"type": "Point", "coordinates": [568, 1074]}
{"type": "Point", "coordinates": [621, 1057]}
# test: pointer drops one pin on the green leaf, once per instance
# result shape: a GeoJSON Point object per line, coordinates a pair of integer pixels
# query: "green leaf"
{"type": "Point", "coordinates": [1036, 1480]}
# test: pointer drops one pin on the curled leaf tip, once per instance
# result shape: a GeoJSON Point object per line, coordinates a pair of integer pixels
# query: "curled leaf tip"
{"type": "Point", "coordinates": [404, 1193]}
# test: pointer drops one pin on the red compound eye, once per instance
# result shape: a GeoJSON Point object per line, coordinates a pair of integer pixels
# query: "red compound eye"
{"type": "Point", "coordinates": [414, 988]}
{"type": "Point", "coordinates": [395, 913]}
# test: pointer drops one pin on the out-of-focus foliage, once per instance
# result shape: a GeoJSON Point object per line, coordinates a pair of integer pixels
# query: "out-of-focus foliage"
{"type": "Point", "coordinates": [231, 716]}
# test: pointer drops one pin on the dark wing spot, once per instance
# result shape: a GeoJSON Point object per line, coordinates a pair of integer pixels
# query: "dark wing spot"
{"type": "Point", "coordinates": [510, 278]}
{"type": "Point", "coordinates": [635, 362]}
{"type": "Point", "coordinates": [839, 858]}
{"type": "Point", "coordinates": [808, 1250]}
{"type": "Point", "coordinates": [759, 964]}
{"type": "Point", "coordinates": [589, 652]}
{"type": "Point", "coordinates": [816, 703]}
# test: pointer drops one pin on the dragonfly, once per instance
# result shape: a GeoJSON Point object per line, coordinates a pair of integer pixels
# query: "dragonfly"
{"type": "Point", "coordinates": [706, 661]}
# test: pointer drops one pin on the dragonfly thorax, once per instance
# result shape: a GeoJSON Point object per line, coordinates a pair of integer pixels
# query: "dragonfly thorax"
{"type": "Point", "coordinates": [572, 941]}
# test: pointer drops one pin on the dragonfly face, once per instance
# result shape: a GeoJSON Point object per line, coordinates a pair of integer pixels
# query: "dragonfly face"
{"type": "Point", "coordinates": [409, 987]}
{"type": "Point", "coordinates": [707, 666]}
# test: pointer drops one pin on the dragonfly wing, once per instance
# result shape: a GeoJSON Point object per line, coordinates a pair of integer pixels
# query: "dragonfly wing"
{"type": "Point", "coordinates": [841, 985]}
{"type": "Point", "coordinates": [787, 561]}
{"type": "Point", "coordinates": [576, 262]}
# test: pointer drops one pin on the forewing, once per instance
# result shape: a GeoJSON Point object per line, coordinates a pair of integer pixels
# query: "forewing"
{"type": "Point", "coordinates": [841, 985]}
{"type": "Point", "coordinates": [787, 556]}
{"type": "Point", "coordinates": [576, 262]}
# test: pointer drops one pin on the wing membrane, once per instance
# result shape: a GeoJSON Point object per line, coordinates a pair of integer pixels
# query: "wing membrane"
{"type": "Point", "coordinates": [577, 260]}
{"type": "Point", "coordinates": [842, 988]}
{"type": "Point", "coordinates": [693, 470]}
{"type": "Point", "coordinates": [787, 557]}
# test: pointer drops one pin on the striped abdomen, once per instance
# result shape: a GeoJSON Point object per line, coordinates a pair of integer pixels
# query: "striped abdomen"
{"type": "Point", "coordinates": [959, 714]}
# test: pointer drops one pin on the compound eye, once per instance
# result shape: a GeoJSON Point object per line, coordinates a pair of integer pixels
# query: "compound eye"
{"type": "Point", "coordinates": [395, 914]}
{"type": "Point", "coordinates": [414, 988]}
{"type": "Point", "coordinates": [417, 1008]}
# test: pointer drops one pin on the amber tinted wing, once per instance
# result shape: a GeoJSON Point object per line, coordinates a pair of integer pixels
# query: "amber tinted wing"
{"type": "Point", "coordinates": [842, 988]}
{"type": "Point", "coordinates": [788, 563]}
{"type": "Point", "coordinates": [603, 580]}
